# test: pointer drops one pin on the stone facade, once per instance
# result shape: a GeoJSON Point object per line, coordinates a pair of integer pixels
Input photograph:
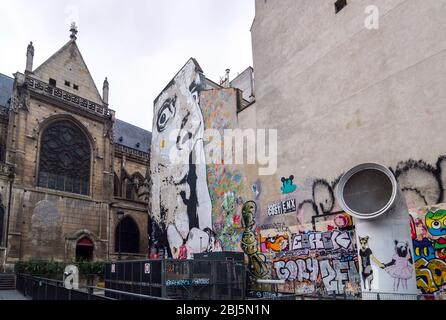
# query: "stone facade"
{"type": "Point", "coordinates": [46, 223]}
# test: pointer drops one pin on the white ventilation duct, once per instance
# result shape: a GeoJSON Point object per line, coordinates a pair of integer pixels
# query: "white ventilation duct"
{"type": "Point", "coordinates": [371, 194]}
{"type": "Point", "coordinates": [368, 191]}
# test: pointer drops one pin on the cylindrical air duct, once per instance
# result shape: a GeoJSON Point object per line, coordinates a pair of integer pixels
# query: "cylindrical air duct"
{"type": "Point", "coordinates": [370, 193]}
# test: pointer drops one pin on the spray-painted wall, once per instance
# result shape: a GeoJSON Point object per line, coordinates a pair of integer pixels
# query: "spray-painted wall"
{"type": "Point", "coordinates": [293, 216]}
{"type": "Point", "coordinates": [196, 206]}
{"type": "Point", "coordinates": [290, 228]}
{"type": "Point", "coordinates": [428, 229]}
{"type": "Point", "coordinates": [340, 95]}
{"type": "Point", "coordinates": [226, 183]}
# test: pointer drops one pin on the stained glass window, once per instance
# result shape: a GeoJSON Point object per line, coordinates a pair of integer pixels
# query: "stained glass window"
{"type": "Point", "coordinates": [65, 159]}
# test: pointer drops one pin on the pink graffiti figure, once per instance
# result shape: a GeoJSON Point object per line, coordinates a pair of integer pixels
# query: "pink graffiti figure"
{"type": "Point", "coordinates": [400, 268]}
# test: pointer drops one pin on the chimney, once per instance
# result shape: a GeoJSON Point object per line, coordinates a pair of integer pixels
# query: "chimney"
{"type": "Point", "coordinates": [29, 57]}
{"type": "Point", "coordinates": [228, 83]}
{"type": "Point", "coordinates": [105, 91]}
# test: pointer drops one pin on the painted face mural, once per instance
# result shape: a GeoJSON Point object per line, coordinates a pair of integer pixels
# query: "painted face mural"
{"type": "Point", "coordinates": [423, 249]}
{"type": "Point", "coordinates": [181, 203]}
{"type": "Point", "coordinates": [430, 250]}
{"type": "Point", "coordinates": [436, 223]}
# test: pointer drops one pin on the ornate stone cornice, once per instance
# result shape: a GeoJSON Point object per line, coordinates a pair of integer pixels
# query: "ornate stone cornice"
{"type": "Point", "coordinates": [45, 89]}
{"type": "Point", "coordinates": [132, 152]}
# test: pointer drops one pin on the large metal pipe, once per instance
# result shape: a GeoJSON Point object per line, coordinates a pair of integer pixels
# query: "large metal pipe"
{"type": "Point", "coordinates": [371, 194]}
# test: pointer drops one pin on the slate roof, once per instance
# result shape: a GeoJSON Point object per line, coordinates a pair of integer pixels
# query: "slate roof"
{"type": "Point", "coordinates": [6, 85]}
{"type": "Point", "coordinates": [129, 136]}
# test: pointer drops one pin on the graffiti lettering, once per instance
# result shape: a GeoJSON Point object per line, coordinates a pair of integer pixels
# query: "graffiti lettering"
{"type": "Point", "coordinates": [431, 275]}
{"type": "Point", "coordinates": [282, 207]}
{"type": "Point", "coordinates": [334, 273]}
{"type": "Point", "coordinates": [329, 241]}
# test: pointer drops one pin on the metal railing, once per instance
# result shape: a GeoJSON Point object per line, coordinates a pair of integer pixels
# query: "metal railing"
{"type": "Point", "coordinates": [363, 296]}
{"type": "Point", "coordinates": [37, 288]}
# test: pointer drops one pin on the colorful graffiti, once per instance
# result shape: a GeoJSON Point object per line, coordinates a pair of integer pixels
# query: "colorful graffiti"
{"type": "Point", "coordinates": [287, 185]}
{"type": "Point", "coordinates": [277, 243]}
{"type": "Point", "coordinates": [257, 266]}
{"type": "Point", "coordinates": [429, 244]}
{"type": "Point", "coordinates": [312, 262]}
{"type": "Point", "coordinates": [326, 275]}
{"type": "Point", "coordinates": [436, 223]}
{"type": "Point", "coordinates": [225, 182]}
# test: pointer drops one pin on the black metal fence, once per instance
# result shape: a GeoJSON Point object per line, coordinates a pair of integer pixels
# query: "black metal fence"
{"type": "Point", "coordinates": [37, 288]}
{"type": "Point", "coordinates": [178, 279]}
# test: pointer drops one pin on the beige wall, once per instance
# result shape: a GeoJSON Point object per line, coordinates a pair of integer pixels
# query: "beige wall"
{"type": "Point", "coordinates": [340, 94]}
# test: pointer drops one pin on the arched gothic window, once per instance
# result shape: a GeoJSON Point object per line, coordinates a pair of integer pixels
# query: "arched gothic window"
{"type": "Point", "coordinates": [65, 159]}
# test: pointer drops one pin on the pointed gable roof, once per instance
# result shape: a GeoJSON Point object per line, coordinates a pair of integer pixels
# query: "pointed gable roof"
{"type": "Point", "coordinates": [67, 64]}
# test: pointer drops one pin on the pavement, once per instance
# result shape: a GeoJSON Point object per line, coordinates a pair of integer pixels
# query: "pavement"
{"type": "Point", "coordinates": [11, 295]}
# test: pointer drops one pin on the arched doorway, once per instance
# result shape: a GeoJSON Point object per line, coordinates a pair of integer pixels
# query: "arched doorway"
{"type": "Point", "coordinates": [84, 249]}
{"type": "Point", "coordinates": [127, 236]}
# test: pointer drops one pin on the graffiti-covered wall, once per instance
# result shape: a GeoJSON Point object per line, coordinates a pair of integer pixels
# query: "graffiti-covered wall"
{"type": "Point", "coordinates": [305, 208]}
{"type": "Point", "coordinates": [428, 228]}
{"type": "Point", "coordinates": [225, 182]}
{"type": "Point", "coordinates": [197, 198]}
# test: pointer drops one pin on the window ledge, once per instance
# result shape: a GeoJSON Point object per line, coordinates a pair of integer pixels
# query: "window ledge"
{"type": "Point", "coordinates": [62, 193]}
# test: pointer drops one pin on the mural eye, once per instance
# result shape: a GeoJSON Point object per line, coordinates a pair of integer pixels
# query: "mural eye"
{"type": "Point", "coordinates": [417, 251]}
{"type": "Point", "coordinates": [436, 225]}
{"type": "Point", "coordinates": [426, 252]}
{"type": "Point", "coordinates": [166, 113]}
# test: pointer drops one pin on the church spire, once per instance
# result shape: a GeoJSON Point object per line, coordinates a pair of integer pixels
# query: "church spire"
{"type": "Point", "coordinates": [73, 31]}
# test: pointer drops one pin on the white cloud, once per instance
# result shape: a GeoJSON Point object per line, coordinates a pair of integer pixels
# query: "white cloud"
{"type": "Point", "coordinates": [139, 45]}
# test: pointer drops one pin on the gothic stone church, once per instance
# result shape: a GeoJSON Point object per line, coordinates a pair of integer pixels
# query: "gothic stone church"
{"type": "Point", "coordinates": [73, 178]}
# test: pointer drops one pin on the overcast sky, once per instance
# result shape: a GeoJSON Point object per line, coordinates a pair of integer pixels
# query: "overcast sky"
{"type": "Point", "coordinates": [138, 44]}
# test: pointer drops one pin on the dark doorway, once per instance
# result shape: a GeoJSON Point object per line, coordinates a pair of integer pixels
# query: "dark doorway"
{"type": "Point", "coordinates": [129, 236]}
{"type": "Point", "coordinates": [84, 250]}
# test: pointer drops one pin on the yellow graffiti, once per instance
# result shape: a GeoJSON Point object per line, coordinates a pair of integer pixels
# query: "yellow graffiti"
{"type": "Point", "coordinates": [431, 275]}
{"type": "Point", "coordinates": [277, 243]}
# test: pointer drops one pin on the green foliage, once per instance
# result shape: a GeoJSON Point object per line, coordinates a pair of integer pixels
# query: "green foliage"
{"type": "Point", "coordinates": [53, 268]}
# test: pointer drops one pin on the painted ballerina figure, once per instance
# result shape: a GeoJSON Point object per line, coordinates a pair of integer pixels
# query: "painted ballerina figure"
{"type": "Point", "coordinates": [400, 268]}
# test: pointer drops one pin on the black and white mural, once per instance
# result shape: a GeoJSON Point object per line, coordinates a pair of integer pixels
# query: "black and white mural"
{"type": "Point", "coordinates": [181, 217]}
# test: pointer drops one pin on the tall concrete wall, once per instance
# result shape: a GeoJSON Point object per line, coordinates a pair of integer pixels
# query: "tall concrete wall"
{"type": "Point", "coordinates": [340, 94]}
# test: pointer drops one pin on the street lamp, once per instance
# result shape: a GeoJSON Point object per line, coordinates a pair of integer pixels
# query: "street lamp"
{"type": "Point", "coordinates": [120, 215]}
